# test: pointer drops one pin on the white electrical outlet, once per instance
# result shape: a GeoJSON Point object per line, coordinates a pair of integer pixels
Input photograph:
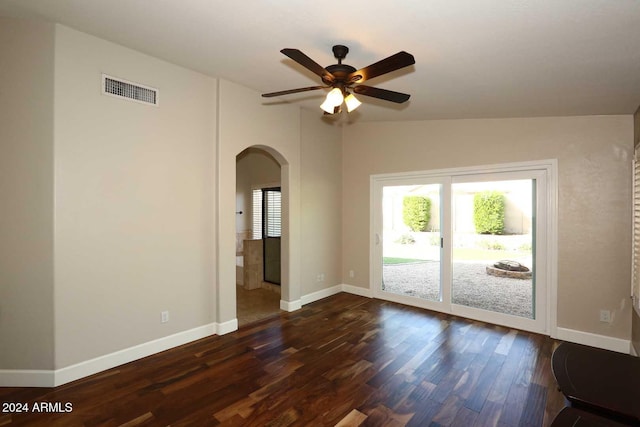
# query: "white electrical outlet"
{"type": "Point", "coordinates": [352, 273]}
{"type": "Point", "coordinates": [605, 316]}
{"type": "Point", "coordinates": [164, 317]}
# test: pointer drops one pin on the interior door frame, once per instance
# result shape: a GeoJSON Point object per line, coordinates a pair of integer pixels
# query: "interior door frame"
{"type": "Point", "coordinates": [547, 167]}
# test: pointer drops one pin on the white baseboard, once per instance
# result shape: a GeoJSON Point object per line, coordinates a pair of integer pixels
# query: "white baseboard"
{"type": "Point", "coordinates": [108, 361]}
{"type": "Point", "coordinates": [594, 340]}
{"type": "Point", "coordinates": [290, 305]}
{"type": "Point", "coordinates": [226, 327]}
{"type": "Point", "coordinates": [324, 293]}
{"type": "Point", "coordinates": [357, 290]}
{"type": "Point", "coordinates": [318, 295]}
{"type": "Point", "coordinates": [38, 378]}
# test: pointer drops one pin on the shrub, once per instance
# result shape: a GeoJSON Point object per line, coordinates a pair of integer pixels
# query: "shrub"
{"type": "Point", "coordinates": [525, 247]}
{"type": "Point", "coordinates": [488, 212]}
{"type": "Point", "coordinates": [416, 212]}
{"type": "Point", "coordinates": [406, 239]}
{"type": "Point", "coordinates": [496, 246]}
{"type": "Point", "coordinates": [491, 245]}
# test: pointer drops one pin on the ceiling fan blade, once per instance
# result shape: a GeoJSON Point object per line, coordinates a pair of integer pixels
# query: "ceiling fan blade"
{"type": "Point", "coordinates": [387, 65]}
{"type": "Point", "coordinates": [387, 95]}
{"type": "Point", "coordinates": [309, 64]}
{"type": "Point", "coordinates": [287, 92]}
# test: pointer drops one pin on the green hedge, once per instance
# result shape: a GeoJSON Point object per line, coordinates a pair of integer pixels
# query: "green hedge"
{"type": "Point", "coordinates": [416, 212]}
{"type": "Point", "coordinates": [488, 212]}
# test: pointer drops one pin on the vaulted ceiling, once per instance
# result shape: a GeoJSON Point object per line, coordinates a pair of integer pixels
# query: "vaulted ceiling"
{"type": "Point", "coordinates": [474, 58]}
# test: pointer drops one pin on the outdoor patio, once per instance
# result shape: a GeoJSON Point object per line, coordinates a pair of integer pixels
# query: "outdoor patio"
{"type": "Point", "coordinates": [472, 286]}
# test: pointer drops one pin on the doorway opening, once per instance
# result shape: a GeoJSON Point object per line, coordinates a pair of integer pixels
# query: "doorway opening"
{"type": "Point", "coordinates": [258, 233]}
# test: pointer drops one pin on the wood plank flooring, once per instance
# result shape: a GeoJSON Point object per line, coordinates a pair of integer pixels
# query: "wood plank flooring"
{"type": "Point", "coordinates": [345, 360]}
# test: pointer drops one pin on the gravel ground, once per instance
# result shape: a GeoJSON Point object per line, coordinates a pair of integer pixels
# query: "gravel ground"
{"type": "Point", "coordinates": [472, 287]}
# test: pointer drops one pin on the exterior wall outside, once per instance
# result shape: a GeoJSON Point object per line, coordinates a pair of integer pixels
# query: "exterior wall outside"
{"type": "Point", "coordinates": [517, 213]}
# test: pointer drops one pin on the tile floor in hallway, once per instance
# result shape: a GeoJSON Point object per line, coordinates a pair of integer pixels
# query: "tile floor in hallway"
{"type": "Point", "coordinates": [256, 304]}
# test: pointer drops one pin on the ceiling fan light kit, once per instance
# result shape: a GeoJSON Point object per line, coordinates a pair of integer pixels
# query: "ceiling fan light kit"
{"type": "Point", "coordinates": [343, 78]}
{"type": "Point", "coordinates": [352, 102]}
{"type": "Point", "coordinates": [334, 99]}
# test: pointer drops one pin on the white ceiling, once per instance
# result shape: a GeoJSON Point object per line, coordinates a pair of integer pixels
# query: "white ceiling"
{"type": "Point", "coordinates": [474, 58]}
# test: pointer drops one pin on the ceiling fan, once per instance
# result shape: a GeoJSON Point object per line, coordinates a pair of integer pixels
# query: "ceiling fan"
{"type": "Point", "coordinates": [344, 80]}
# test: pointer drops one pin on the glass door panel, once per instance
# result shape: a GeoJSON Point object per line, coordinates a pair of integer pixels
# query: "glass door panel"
{"type": "Point", "coordinates": [493, 246]}
{"type": "Point", "coordinates": [411, 241]}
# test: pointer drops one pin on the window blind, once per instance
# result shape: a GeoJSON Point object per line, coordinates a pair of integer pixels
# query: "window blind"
{"type": "Point", "coordinates": [267, 213]}
{"type": "Point", "coordinates": [273, 212]}
{"type": "Point", "coordinates": [256, 210]}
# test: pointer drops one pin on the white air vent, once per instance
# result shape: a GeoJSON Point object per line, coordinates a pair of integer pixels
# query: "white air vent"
{"type": "Point", "coordinates": [127, 90]}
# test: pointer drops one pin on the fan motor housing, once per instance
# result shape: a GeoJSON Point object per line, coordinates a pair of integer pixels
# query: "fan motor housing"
{"type": "Point", "coordinates": [340, 72]}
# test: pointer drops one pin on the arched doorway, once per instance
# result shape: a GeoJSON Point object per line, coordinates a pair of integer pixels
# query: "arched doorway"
{"type": "Point", "coordinates": [258, 235]}
{"type": "Point", "coordinates": [242, 121]}
{"type": "Point", "coordinates": [225, 219]}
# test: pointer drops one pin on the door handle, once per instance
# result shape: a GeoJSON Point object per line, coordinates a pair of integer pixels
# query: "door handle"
{"type": "Point", "coordinates": [377, 239]}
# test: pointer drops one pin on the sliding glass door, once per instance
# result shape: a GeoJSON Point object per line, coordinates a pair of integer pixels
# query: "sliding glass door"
{"type": "Point", "coordinates": [462, 242]}
{"type": "Point", "coordinates": [494, 247]}
{"type": "Point", "coordinates": [411, 250]}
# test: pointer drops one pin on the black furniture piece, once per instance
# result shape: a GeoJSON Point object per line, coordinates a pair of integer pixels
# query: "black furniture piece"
{"type": "Point", "coordinates": [600, 381]}
{"type": "Point", "coordinates": [573, 417]}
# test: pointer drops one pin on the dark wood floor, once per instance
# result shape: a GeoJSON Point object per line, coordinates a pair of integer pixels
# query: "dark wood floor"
{"type": "Point", "coordinates": [344, 360]}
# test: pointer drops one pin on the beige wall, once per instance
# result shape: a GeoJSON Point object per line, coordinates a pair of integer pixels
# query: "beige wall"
{"type": "Point", "coordinates": [134, 200]}
{"type": "Point", "coordinates": [275, 128]}
{"type": "Point", "coordinates": [594, 210]}
{"type": "Point", "coordinates": [320, 197]}
{"type": "Point", "coordinates": [26, 195]}
{"type": "Point", "coordinates": [321, 202]}
{"type": "Point", "coordinates": [142, 207]}
{"type": "Point", "coordinates": [636, 127]}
